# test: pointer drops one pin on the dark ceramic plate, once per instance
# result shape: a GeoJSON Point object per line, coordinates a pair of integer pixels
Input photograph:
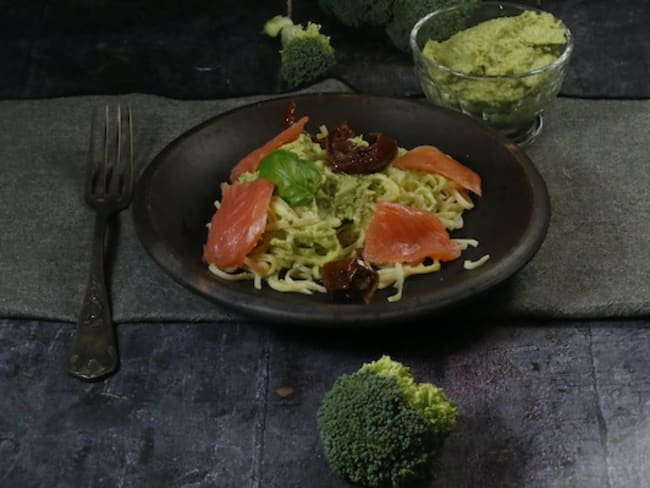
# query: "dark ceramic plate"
{"type": "Point", "coordinates": [175, 195]}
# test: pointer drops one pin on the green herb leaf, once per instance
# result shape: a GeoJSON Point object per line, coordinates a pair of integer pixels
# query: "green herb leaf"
{"type": "Point", "coordinates": [296, 179]}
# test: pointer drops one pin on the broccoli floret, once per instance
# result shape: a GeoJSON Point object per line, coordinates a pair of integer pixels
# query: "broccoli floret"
{"type": "Point", "coordinates": [407, 12]}
{"type": "Point", "coordinates": [306, 54]}
{"type": "Point", "coordinates": [359, 12]}
{"type": "Point", "coordinates": [398, 16]}
{"type": "Point", "coordinates": [381, 429]}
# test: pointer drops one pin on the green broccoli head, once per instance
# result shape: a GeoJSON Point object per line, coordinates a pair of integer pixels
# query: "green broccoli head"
{"type": "Point", "coordinates": [406, 13]}
{"type": "Point", "coordinates": [359, 12]}
{"type": "Point", "coordinates": [428, 400]}
{"type": "Point", "coordinates": [306, 54]}
{"type": "Point", "coordinates": [381, 429]}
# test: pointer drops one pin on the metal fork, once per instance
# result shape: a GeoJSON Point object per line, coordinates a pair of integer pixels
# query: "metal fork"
{"type": "Point", "coordinates": [108, 190]}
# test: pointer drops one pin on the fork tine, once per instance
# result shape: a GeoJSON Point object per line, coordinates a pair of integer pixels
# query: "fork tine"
{"type": "Point", "coordinates": [119, 150]}
{"type": "Point", "coordinates": [122, 171]}
{"type": "Point", "coordinates": [91, 166]}
{"type": "Point", "coordinates": [107, 135]}
{"type": "Point", "coordinates": [110, 168]}
{"type": "Point", "coordinates": [118, 125]}
{"type": "Point", "coordinates": [128, 174]}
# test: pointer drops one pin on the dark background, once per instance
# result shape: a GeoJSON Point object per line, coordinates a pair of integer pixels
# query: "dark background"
{"type": "Point", "coordinates": [207, 49]}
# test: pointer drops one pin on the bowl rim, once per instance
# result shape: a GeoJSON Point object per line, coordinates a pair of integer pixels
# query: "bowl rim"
{"type": "Point", "coordinates": [417, 52]}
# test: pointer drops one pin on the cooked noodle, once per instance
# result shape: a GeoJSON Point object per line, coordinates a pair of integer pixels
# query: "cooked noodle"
{"type": "Point", "coordinates": [475, 264]}
{"type": "Point", "coordinates": [298, 241]}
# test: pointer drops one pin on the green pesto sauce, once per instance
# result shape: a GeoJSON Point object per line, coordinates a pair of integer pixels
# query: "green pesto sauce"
{"type": "Point", "coordinates": [342, 196]}
{"type": "Point", "coordinates": [500, 47]}
{"type": "Point", "coordinates": [503, 46]}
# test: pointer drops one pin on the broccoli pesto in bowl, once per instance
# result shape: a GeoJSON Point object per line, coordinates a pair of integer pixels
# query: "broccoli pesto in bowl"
{"type": "Point", "coordinates": [504, 66]}
{"type": "Point", "coordinates": [502, 46]}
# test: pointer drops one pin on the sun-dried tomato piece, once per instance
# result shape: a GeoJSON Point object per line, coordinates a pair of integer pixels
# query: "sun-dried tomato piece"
{"type": "Point", "coordinates": [345, 156]}
{"type": "Point", "coordinates": [350, 279]}
{"type": "Point", "coordinates": [290, 114]}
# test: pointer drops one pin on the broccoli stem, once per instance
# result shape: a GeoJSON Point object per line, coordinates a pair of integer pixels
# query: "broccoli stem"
{"type": "Point", "coordinates": [278, 23]}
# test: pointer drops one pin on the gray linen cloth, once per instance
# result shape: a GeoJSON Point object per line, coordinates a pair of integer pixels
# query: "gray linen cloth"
{"type": "Point", "coordinates": [593, 263]}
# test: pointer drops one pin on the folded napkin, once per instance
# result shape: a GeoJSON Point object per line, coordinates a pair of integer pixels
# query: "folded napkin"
{"type": "Point", "coordinates": [593, 263]}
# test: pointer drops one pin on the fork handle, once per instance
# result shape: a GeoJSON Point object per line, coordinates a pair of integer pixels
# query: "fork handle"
{"type": "Point", "coordinates": [94, 349]}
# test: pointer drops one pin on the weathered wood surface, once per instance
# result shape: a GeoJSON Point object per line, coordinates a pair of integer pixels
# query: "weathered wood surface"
{"type": "Point", "coordinates": [206, 405]}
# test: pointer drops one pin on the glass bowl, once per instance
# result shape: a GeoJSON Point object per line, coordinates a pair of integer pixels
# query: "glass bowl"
{"type": "Point", "coordinates": [511, 103]}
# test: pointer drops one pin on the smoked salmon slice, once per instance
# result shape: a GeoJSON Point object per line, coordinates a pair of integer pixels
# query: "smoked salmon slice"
{"type": "Point", "coordinates": [430, 159]}
{"type": "Point", "coordinates": [402, 234]}
{"type": "Point", "coordinates": [238, 224]}
{"type": "Point", "coordinates": [251, 162]}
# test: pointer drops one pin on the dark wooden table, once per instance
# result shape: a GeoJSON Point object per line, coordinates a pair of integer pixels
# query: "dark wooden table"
{"type": "Point", "coordinates": [542, 403]}
{"type": "Point", "coordinates": [550, 404]}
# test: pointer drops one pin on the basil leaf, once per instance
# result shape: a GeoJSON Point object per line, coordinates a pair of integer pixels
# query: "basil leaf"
{"type": "Point", "coordinates": [297, 180]}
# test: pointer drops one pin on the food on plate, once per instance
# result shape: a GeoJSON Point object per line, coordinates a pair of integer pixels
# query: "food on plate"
{"type": "Point", "coordinates": [401, 234]}
{"type": "Point", "coordinates": [350, 278]}
{"type": "Point", "coordinates": [306, 53]}
{"type": "Point", "coordinates": [334, 212]}
{"type": "Point", "coordinates": [381, 428]}
{"type": "Point", "coordinates": [240, 222]}
{"type": "Point", "coordinates": [251, 162]}
{"type": "Point", "coordinates": [296, 179]}
{"type": "Point", "coordinates": [498, 47]}
{"type": "Point", "coordinates": [430, 159]}
{"type": "Point", "coordinates": [346, 155]}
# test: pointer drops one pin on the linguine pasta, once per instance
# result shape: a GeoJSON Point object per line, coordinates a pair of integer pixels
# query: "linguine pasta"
{"type": "Point", "coordinates": [299, 240]}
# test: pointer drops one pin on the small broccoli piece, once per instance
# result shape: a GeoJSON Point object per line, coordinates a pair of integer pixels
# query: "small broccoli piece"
{"type": "Point", "coordinates": [306, 54]}
{"type": "Point", "coordinates": [406, 13]}
{"type": "Point", "coordinates": [359, 12]}
{"type": "Point", "coordinates": [276, 24]}
{"type": "Point", "coordinates": [380, 428]}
